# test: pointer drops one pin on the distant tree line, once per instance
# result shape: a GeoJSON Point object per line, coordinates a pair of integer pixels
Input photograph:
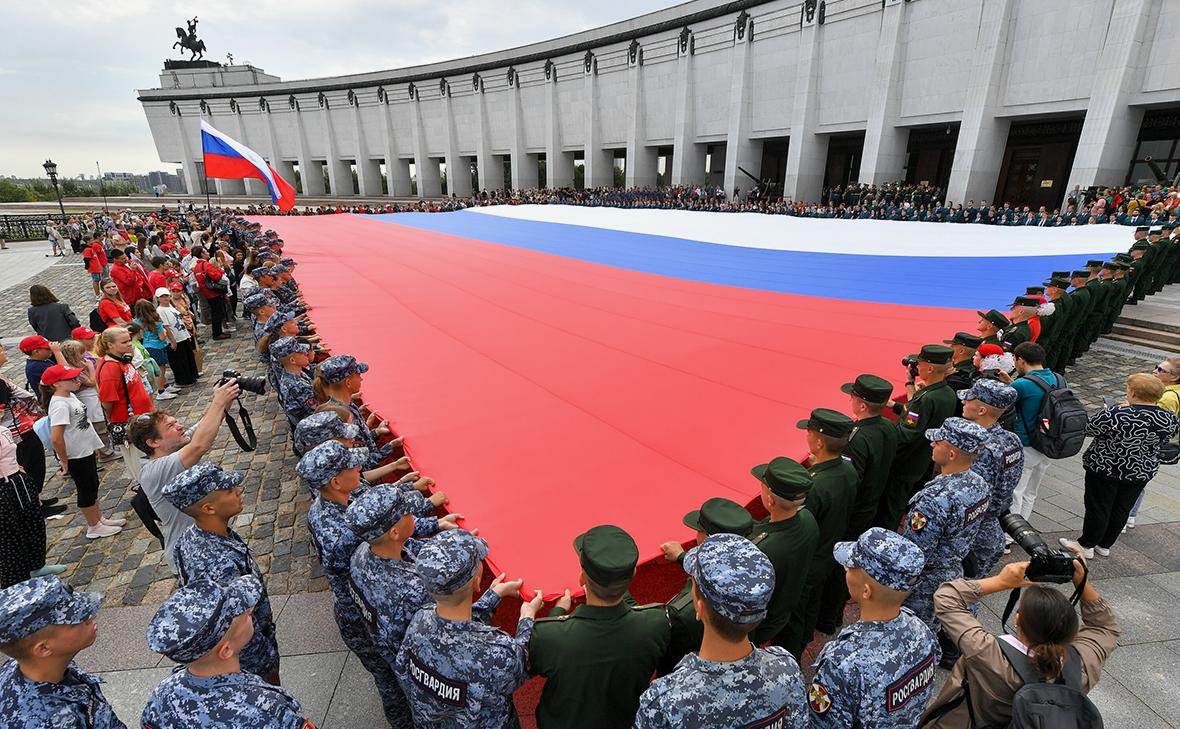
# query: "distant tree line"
{"type": "Point", "coordinates": [42, 190]}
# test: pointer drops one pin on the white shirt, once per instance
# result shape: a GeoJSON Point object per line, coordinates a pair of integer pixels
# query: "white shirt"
{"type": "Point", "coordinates": [172, 319]}
{"type": "Point", "coordinates": [81, 440]}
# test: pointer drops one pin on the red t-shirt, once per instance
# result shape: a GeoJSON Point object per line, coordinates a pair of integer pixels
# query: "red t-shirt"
{"type": "Point", "coordinates": [108, 310]}
{"type": "Point", "coordinates": [111, 378]}
{"type": "Point", "coordinates": [156, 280]}
{"type": "Point", "coordinates": [93, 262]}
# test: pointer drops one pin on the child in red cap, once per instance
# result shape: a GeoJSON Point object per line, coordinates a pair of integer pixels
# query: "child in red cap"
{"type": "Point", "coordinates": [40, 358]}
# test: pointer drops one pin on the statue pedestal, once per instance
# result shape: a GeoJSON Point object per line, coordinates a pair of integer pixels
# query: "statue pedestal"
{"type": "Point", "coordinates": [178, 65]}
{"type": "Point", "coordinates": [210, 74]}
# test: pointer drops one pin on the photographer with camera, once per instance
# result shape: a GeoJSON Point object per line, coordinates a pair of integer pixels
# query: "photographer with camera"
{"type": "Point", "coordinates": [1001, 678]}
{"type": "Point", "coordinates": [170, 450]}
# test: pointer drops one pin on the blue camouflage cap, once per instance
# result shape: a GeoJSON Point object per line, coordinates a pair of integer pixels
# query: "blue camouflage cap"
{"type": "Point", "coordinates": [335, 369]}
{"type": "Point", "coordinates": [449, 560]}
{"type": "Point", "coordinates": [287, 262]}
{"type": "Point", "coordinates": [319, 465]}
{"type": "Point", "coordinates": [961, 433]}
{"type": "Point", "coordinates": [278, 268]}
{"type": "Point", "coordinates": [321, 427]}
{"type": "Point", "coordinates": [263, 271]}
{"type": "Point", "coordinates": [259, 299]}
{"type": "Point", "coordinates": [374, 512]}
{"type": "Point", "coordinates": [886, 556]}
{"type": "Point", "coordinates": [286, 346]}
{"type": "Point", "coordinates": [990, 392]}
{"type": "Point", "coordinates": [29, 606]}
{"type": "Point", "coordinates": [194, 619]}
{"type": "Point", "coordinates": [193, 484]}
{"type": "Point", "coordinates": [733, 576]}
{"type": "Point", "coordinates": [276, 320]}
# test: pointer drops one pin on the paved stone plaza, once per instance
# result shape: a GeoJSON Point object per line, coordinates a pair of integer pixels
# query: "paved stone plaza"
{"type": "Point", "coordinates": [1141, 577]}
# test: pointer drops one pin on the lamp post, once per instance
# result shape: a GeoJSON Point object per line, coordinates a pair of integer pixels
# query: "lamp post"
{"type": "Point", "coordinates": [51, 170]}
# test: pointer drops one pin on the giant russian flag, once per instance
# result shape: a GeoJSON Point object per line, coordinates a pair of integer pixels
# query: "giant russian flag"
{"type": "Point", "coordinates": [556, 367]}
{"type": "Point", "coordinates": [228, 159]}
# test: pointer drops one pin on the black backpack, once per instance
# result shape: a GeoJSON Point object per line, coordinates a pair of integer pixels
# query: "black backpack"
{"type": "Point", "coordinates": [1058, 705]}
{"type": "Point", "coordinates": [1060, 428]}
{"type": "Point", "coordinates": [96, 322]}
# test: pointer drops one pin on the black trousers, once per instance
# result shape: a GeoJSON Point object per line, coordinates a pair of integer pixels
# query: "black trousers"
{"type": "Point", "coordinates": [217, 313]}
{"type": "Point", "coordinates": [1108, 503]}
{"type": "Point", "coordinates": [22, 529]}
{"type": "Point", "coordinates": [145, 512]}
{"type": "Point", "coordinates": [183, 362]}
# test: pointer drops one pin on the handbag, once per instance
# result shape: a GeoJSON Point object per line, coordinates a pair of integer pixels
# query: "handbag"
{"type": "Point", "coordinates": [117, 431]}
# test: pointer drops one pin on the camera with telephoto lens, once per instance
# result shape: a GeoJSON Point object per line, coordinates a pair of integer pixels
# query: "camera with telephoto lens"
{"type": "Point", "coordinates": [256, 385]}
{"type": "Point", "coordinates": [1045, 564]}
{"type": "Point", "coordinates": [909, 361]}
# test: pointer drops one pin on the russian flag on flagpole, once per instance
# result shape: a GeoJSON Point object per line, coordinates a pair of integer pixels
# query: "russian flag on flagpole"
{"type": "Point", "coordinates": [228, 159]}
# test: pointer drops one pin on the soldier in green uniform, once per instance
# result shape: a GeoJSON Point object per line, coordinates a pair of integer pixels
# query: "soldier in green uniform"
{"type": "Point", "coordinates": [787, 537]}
{"type": "Point", "coordinates": [1144, 269]}
{"type": "Point", "coordinates": [991, 325]}
{"type": "Point", "coordinates": [1085, 333]}
{"type": "Point", "coordinates": [1058, 322]}
{"type": "Point", "coordinates": [830, 501]}
{"type": "Point", "coordinates": [1023, 309]}
{"type": "Point", "coordinates": [927, 408]}
{"type": "Point", "coordinates": [1159, 244]}
{"type": "Point", "coordinates": [599, 658]}
{"type": "Point", "coordinates": [716, 516]}
{"type": "Point", "coordinates": [871, 447]}
{"type": "Point", "coordinates": [963, 373]}
{"type": "Point", "coordinates": [1103, 282]}
{"type": "Point", "coordinates": [1081, 302]}
{"type": "Point", "coordinates": [1117, 296]}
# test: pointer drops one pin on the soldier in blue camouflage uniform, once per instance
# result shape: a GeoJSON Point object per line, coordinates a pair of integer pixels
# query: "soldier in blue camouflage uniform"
{"type": "Point", "coordinates": [204, 625]}
{"type": "Point", "coordinates": [1000, 464]}
{"type": "Point", "coordinates": [944, 517]}
{"type": "Point", "coordinates": [210, 549]}
{"type": "Point", "coordinates": [41, 688]}
{"type": "Point", "coordinates": [320, 427]}
{"type": "Point", "coordinates": [335, 370]}
{"type": "Point", "coordinates": [332, 471]}
{"type": "Point", "coordinates": [383, 585]}
{"type": "Point", "coordinates": [730, 682]}
{"type": "Point", "coordinates": [457, 672]}
{"type": "Point", "coordinates": [878, 672]}
{"type": "Point", "coordinates": [296, 396]}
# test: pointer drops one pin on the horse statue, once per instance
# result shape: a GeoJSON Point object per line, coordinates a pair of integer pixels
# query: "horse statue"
{"type": "Point", "coordinates": [188, 40]}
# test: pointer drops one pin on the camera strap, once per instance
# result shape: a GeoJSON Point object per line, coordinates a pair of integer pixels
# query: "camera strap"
{"type": "Point", "coordinates": [250, 442]}
{"type": "Point", "coordinates": [1014, 598]}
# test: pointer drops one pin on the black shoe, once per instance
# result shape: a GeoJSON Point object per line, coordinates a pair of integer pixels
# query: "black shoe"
{"type": "Point", "coordinates": [52, 511]}
{"type": "Point", "coordinates": [50, 501]}
{"type": "Point", "coordinates": [950, 651]}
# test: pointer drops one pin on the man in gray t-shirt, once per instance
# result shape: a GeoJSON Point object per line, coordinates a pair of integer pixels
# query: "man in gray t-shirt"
{"type": "Point", "coordinates": [170, 450]}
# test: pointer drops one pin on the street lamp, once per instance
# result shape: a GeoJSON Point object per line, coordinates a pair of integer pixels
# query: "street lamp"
{"type": "Point", "coordinates": [51, 170]}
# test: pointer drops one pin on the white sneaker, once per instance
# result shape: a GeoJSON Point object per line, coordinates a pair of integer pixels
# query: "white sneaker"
{"type": "Point", "coordinates": [1087, 552]}
{"type": "Point", "coordinates": [165, 395]}
{"type": "Point", "coordinates": [113, 521]}
{"type": "Point", "coordinates": [102, 530]}
{"type": "Point", "coordinates": [1130, 522]}
{"type": "Point", "coordinates": [1102, 551]}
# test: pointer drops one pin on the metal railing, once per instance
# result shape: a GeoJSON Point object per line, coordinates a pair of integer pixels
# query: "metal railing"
{"type": "Point", "coordinates": [26, 227]}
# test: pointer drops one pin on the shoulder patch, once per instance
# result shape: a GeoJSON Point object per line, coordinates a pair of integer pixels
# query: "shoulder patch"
{"type": "Point", "coordinates": [911, 418]}
{"type": "Point", "coordinates": [976, 510]}
{"type": "Point", "coordinates": [818, 698]}
{"type": "Point", "coordinates": [917, 521]}
{"type": "Point", "coordinates": [648, 606]}
{"type": "Point", "coordinates": [1012, 457]}
{"type": "Point", "coordinates": [914, 682]}
{"type": "Point", "coordinates": [759, 538]}
{"type": "Point", "coordinates": [777, 720]}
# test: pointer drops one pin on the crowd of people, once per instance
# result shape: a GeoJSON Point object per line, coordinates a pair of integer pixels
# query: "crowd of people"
{"type": "Point", "coordinates": [1150, 205]}
{"type": "Point", "coordinates": [904, 507]}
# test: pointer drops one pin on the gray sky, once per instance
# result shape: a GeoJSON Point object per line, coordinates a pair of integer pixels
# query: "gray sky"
{"type": "Point", "coordinates": [69, 69]}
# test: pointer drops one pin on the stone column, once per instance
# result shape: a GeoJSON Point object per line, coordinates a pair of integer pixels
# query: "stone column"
{"type": "Point", "coordinates": [339, 174]}
{"type": "Point", "coordinates": [285, 169]}
{"type": "Point", "coordinates": [425, 169]}
{"type": "Point", "coordinates": [599, 169]}
{"type": "Point", "coordinates": [1112, 125]}
{"type": "Point", "coordinates": [688, 157]}
{"type": "Point", "coordinates": [458, 169]}
{"type": "Point", "coordinates": [884, 154]}
{"type": "Point", "coordinates": [559, 166]}
{"type": "Point", "coordinates": [807, 154]}
{"type": "Point", "coordinates": [982, 134]}
{"type": "Point", "coordinates": [368, 174]}
{"type": "Point", "coordinates": [740, 150]}
{"type": "Point", "coordinates": [641, 159]}
{"type": "Point", "coordinates": [397, 170]}
{"type": "Point", "coordinates": [310, 173]}
{"type": "Point", "coordinates": [524, 165]}
{"type": "Point", "coordinates": [256, 188]}
{"type": "Point", "coordinates": [489, 169]}
{"type": "Point", "coordinates": [192, 177]}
